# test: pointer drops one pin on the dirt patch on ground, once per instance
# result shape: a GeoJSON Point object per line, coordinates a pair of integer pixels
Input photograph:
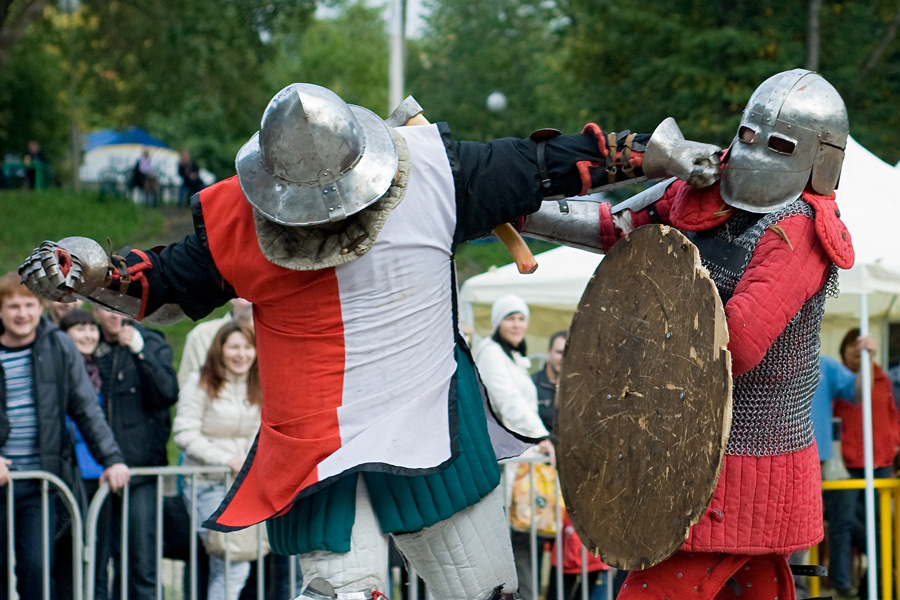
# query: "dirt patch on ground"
{"type": "Point", "coordinates": [177, 222]}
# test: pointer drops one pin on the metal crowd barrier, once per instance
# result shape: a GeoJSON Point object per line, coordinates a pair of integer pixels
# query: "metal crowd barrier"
{"type": "Point", "coordinates": [160, 474]}
{"type": "Point", "coordinates": [889, 530]}
{"type": "Point", "coordinates": [85, 537]}
{"type": "Point", "coordinates": [76, 525]}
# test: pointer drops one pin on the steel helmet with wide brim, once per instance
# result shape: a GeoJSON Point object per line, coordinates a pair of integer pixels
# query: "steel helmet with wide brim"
{"type": "Point", "coordinates": [316, 159]}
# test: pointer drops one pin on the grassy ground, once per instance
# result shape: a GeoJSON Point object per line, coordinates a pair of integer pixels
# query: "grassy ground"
{"type": "Point", "coordinates": [29, 217]}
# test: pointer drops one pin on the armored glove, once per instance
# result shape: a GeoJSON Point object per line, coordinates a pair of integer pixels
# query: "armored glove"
{"type": "Point", "coordinates": [58, 271]}
{"type": "Point", "coordinates": [668, 154]}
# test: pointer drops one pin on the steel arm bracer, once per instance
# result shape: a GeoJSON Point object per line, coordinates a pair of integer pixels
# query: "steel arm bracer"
{"type": "Point", "coordinates": [573, 223]}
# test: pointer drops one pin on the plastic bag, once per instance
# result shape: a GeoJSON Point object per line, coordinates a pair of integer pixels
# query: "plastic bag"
{"type": "Point", "coordinates": [545, 495]}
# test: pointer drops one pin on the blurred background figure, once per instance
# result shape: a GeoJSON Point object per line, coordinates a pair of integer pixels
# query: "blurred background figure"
{"type": "Point", "coordinates": [143, 178]}
{"type": "Point", "coordinates": [546, 379]}
{"type": "Point", "coordinates": [190, 178]}
{"type": "Point", "coordinates": [216, 421]}
{"type": "Point", "coordinates": [85, 332]}
{"type": "Point", "coordinates": [80, 325]}
{"type": "Point", "coordinates": [198, 341]}
{"type": "Point", "coordinates": [57, 310]}
{"type": "Point", "coordinates": [37, 168]}
{"type": "Point", "coordinates": [885, 440]}
{"type": "Point", "coordinates": [139, 388]}
{"type": "Point", "coordinates": [43, 380]}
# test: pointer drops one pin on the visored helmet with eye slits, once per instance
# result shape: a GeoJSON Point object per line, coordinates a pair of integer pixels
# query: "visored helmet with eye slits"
{"type": "Point", "coordinates": [793, 132]}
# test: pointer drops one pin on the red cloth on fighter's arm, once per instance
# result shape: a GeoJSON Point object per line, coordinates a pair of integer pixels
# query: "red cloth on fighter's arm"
{"type": "Point", "coordinates": [776, 284]}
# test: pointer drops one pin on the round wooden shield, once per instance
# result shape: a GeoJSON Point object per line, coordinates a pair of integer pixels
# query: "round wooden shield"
{"type": "Point", "coordinates": [644, 400]}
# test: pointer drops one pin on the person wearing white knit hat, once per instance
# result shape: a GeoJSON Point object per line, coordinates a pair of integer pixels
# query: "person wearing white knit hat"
{"type": "Point", "coordinates": [505, 306]}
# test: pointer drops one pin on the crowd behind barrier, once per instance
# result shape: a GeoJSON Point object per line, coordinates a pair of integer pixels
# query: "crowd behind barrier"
{"type": "Point", "coordinates": [167, 482]}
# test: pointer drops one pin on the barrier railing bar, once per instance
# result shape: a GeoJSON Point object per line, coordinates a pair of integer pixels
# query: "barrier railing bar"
{"type": "Point", "coordinates": [159, 537]}
{"type": "Point", "coordinates": [76, 525]}
{"type": "Point", "coordinates": [10, 540]}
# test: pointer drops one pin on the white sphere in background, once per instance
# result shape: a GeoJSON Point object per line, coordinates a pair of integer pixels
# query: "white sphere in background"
{"type": "Point", "coordinates": [496, 102]}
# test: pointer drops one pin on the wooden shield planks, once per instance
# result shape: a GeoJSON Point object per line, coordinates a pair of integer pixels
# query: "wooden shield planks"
{"type": "Point", "coordinates": [644, 400]}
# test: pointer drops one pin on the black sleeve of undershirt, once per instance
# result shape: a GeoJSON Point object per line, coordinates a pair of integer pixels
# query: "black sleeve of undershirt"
{"type": "Point", "coordinates": [184, 273]}
{"type": "Point", "coordinates": [495, 183]}
{"type": "Point", "coordinates": [500, 181]}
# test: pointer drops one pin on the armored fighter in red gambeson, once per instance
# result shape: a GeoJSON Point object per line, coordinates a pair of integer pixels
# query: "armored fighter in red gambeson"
{"type": "Point", "coordinates": [769, 233]}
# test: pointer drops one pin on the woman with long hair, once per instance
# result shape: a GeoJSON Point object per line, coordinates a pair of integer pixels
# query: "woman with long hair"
{"type": "Point", "coordinates": [216, 420]}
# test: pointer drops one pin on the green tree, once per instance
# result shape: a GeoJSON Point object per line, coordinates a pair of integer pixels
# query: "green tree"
{"type": "Point", "coordinates": [472, 49]}
{"type": "Point", "coordinates": [191, 72]}
{"type": "Point", "coordinates": [15, 18]}
{"type": "Point", "coordinates": [345, 51]}
{"type": "Point", "coordinates": [33, 99]}
{"type": "Point", "coordinates": [700, 61]}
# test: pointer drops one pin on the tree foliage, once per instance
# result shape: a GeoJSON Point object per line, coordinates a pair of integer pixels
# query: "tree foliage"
{"type": "Point", "coordinates": [33, 99]}
{"type": "Point", "coordinates": [15, 17]}
{"type": "Point", "coordinates": [198, 73]}
{"type": "Point", "coordinates": [191, 72]}
{"type": "Point", "coordinates": [472, 49]}
{"type": "Point", "coordinates": [346, 53]}
{"type": "Point", "coordinates": [700, 61]}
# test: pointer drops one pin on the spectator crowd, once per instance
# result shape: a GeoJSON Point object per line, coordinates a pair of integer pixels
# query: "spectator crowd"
{"type": "Point", "coordinates": [87, 391]}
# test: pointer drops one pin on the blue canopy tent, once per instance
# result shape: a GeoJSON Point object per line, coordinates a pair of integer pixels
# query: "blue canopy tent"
{"type": "Point", "coordinates": [109, 137]}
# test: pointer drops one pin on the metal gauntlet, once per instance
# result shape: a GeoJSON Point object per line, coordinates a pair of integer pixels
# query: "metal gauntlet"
{"type": "Point", "coordinates": [668, 154]}
{"type": "Point", "coordinates": [75, 267]}
{"type": "Point", "coordinates": [57, 270]}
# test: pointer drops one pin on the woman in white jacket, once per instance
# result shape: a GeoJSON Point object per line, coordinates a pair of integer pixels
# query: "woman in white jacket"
{"type": "Point", "coordinates": [216, 420]}
{"type": "Point", "coordinates": [503, 366]}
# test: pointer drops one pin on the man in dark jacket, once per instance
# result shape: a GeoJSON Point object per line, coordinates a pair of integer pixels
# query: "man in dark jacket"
{"type": "Point", "coordinates": [139, 388]}
{"type": "Point", "coordinates": [44, 379]}
{"type": "Point", "coordinates": [546, 379]}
